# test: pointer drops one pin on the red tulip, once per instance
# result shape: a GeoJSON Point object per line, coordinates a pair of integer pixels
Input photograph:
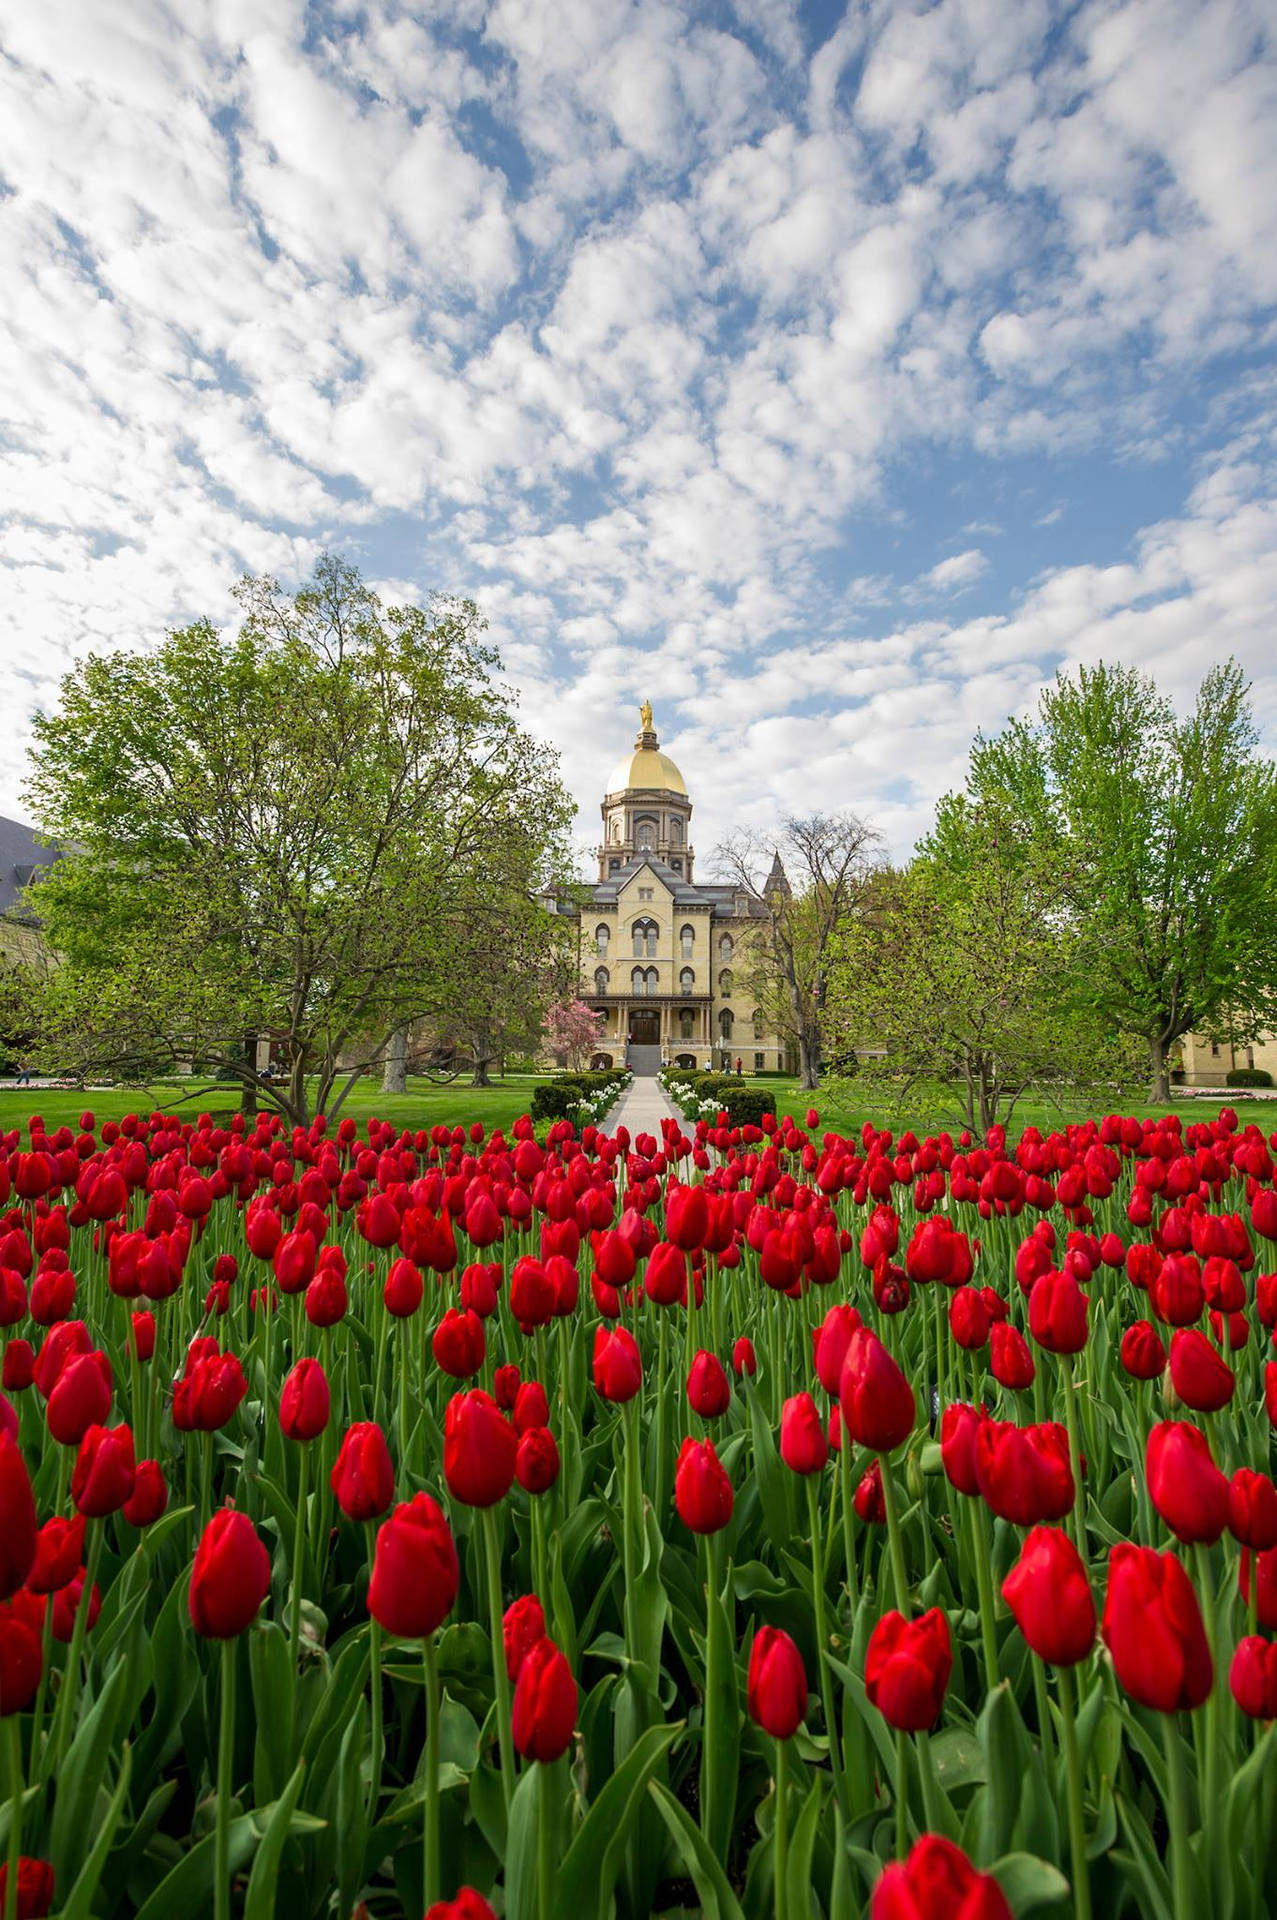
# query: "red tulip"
{"type": "Point", "coordinates": [803, 1446]}
{"type": "Point", "coordinates": [665, 1280]}
{"type": "Point", "coordinates": [1187, 1488]}
{"type": "Point", "coordinates": [536, 1460]}
{"type": "Point", "coordinates": [149, 1497]}
{"type": "Point", "coordinates": [305, 1402]}
{"type": "Point", "coordinates": [1200, 1376]}
{"type": "Point", "coordinates": [65, 1604]}
{"type": "Point", "coordinates": [1142, 1353]}
{"type": "Point", "coordinates": [18, 1537]}
{"type": "Point", "coordinates": [404, 1289]}
{"type": "Point", "coordinates": [80, 1399]}
{"type": "Point", "coordinates": [1252, 1677]}
{"type": "Point", "coordinates": [829, 1345]}
{"type": "Point", "coordinates": [1024, 1472]}
{"type": "Point", "coordinates": [479, 1449]}
{"type": "Point", "coordinates": [363, 1478]}
{"type": "Point", "coordinates": [687, 1217]}
{"type": "Point", "coordinates": [907, 1668]}
{"type": "Point", "coordinates": [230, 1576]}
{"type": "Point", "coordinates": [937, 1882]}
{"type": "Point", "coordinates": [702, 1490]}
{"type": "Point", "coordinates": [618, 1370]}
{"type": "Point", "coordinates": [969, 1319]}
{"type": "Point", "coordinates": [959, 1424]}
{"type": "Point", "coordinates": [522, 1626]}
{"type": "Point", "coordinates": [35, 1888]}
{"type": "Point", "coordinates": [415, 1573]}
{"type": "Point", "coordinates": [104, 1471]}
{"type": "Point", "coordinates": [545, 1701]}
{"type": "Point", "coordinates": [59, 1551]}
{"type": "Point", "coordinates": [1266, 1588]}
{"type": "Point", "coordinates": [1010, 1360]}
{"type": "Point", "coordinates": [21, 1650]}
{"type": "Point", "coordinates": [777, 1687]}
{"type": "Point", "coordinates": [459, 1344]}
{"type": "Point", "coordinates": [708, 1392]}
{"type": "Point", "coordinates": [1049, 1595]}
{"type": "Point", "coordinates": [468, 1905]}
{"type": "Point", "coordinates": [869, 1499]}
{"type": "Point", "coordinates": [1252, 1509]}
{"type": "Point", "coordinates": [1153, 1629]}
{"type": "Point", "coordinates": [878, 1406]}
{"type": "Point", "coordinates": [745, 1360]}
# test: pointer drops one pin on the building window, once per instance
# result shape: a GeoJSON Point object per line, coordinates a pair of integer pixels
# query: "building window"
{"type": "Point", "coordinates": [1250, 1056]}
{"type": "Point", "coordinates": [726, 947]}
{"type": "Point", "coordinates": [725, 982]}
{"type": "Point", "coordinates": [602, 935]}
{"type": "Point", "coordinates": [601, 978]}
{"type": "Point", "coordinates": [1214, 1049]}
{"type": "Point", "coordinates": [614, 866]}
{"type": "Point", "coordinates": [676, 833]}
{"type": "Point", "coordinates": [686, 1023]}
{"type": "Point", "coordinates": [638, 981]}
{"type": "Point", "coordinates": [758, 1063]}
{"type": "Point", "coordinates": [653, 980]}
{"type": "Point", "coordinates": [677, 865]}
{"type": "Point", "coordinates": [725, 1023]}
{"type": "Point", "coordinates": [687, 940]}
{"type": "Point", "coordinates": [646, 838]}
{"type": "Point", "coordinates": [645, 893]}
{"type": "Point", "coordinates": [687, 981]}
{"type": "Point", "coordinates": [616, 830]}
{"type": "Point", "coordinates": [645, 932]}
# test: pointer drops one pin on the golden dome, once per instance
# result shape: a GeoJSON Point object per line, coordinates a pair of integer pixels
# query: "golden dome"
{"type": "Point", "coordinates": [646, 767]}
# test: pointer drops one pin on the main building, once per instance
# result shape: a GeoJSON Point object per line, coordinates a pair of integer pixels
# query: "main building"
{"type": "Point", "coordinates": [667, 960]}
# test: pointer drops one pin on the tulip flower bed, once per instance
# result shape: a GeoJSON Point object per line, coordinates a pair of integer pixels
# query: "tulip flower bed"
{"type": "Point", "coordinates": [753, 1522]}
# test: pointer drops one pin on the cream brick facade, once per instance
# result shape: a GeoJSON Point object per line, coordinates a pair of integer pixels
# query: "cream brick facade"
{"type": "Point", "coordinates": [667, 960]}
{"type": "Point", "coordinates": [1207, 1062]}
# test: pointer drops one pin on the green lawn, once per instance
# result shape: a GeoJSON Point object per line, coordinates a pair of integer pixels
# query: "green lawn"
{"type": "Point", "coordinates": [424, 1105]}
{"type": "Point", "coordinates": [927, 1109]}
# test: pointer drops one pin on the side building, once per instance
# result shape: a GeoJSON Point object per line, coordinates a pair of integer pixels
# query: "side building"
{"type": "Point", "coordinates": [670, 962]}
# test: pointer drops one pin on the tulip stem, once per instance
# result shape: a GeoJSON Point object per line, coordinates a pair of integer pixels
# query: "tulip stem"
{"type": "Point", "coordinates": [1215, 1853]}
{"type": "Point", "coordinates": [68, 1698]}
{"type": "Point", "coordinates": [1177, 1820]}
{"type": "Point", "coordinates": [299, 1551]}
{"type": "Point", "coordinates": [225, 1758]}
{"type": "Point", "coordinates": [1075, 1459]}
{"type": "Point", "coordinates": [902, 1794]}
{"type": "Point", "coordinates": [894, 1538]}
{"type": "Point", "coordinates": [848, 1527]}
{"type": "Point", "coordinates": [1077, 1821]}
{"type": "Point", "coordinates": [984, 1589]}
{"type": "Point", "coordinates": [545, 1860]}
{"type": "Point", "coordinates": [14, 1740]}
{"type": "Point", "coordinates": [500, 1676]}
{"type": "Point", "coordinates": [431, 1834]}
{"type": "Point", "coordinates": [822, 1641]}
{"type": "Point", "coordinates": [781, 1875]}
{"type": "Point", "coordinates": [374, 1666]}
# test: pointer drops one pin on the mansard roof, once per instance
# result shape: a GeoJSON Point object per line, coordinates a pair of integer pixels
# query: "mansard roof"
{"type": "Point", "coordinates": [714, 898]}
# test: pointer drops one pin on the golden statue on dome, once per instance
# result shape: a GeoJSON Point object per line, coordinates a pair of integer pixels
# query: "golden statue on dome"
{"type": "Point", "coordinates": [645, 716]}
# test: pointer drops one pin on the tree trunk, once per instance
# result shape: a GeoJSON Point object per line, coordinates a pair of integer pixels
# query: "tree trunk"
{"type": "Point", "coordinates": [297, 1089]}
{"type": "Point", "coordinates": [1160, 1090]}
{"type": "Point", "coordinates": [480, 1076]}
{"type": "Point", "coordinates": [394, 1077]}
{"type": "Point", "coordinates": [248, 1091]}
{"type": "Point", "coordinates": [809, 1064]}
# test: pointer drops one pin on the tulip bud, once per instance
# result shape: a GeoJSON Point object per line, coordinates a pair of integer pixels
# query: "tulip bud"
{"type": "Point", "coordinates": [1252, 1677]}
{"type": "Point", "coordinates": [803, 1446]}
{"type": "Point", "coordinates": [104, 1471]}
{"type": "Point", "coordinates": [415, 1572]}
{"type": "Point", "coordinates": [1049, 1594]}
{"type": "Point", "coordinates": [878, 1406]}
{"type": "Point", "coordinates": [937, 1882]}
{"type": "Point", "coordinates": [363, 1478]}
{"type": "Point", "coordinates": [708, 1391]}
{"type": "Point", "coordinates": [618, 1370]}
{"type": "Point", "coordinates": [35, 1888]}
{"type": "Point", "coordinates": [545, 1702]}
{"type": "Point", "coordinates": [18, 1536]}
{"type": "Point", "coordinates": [521, 1628]}
{"type": "Point", "coordinates": [777, 1686]}
{"type": "Point", "coordinates": [304, 1402]}
{"type": "Point", "coordinates": [536, 1460]}
{"type": "Point", "coordinates": [479, 1449]}
{"type": "Point", "coordinates": [907, 1668]}
{"type": "Point", "coordinates": [149, 1497]}
{"type": "Point", "coordinates": [230, 1577]}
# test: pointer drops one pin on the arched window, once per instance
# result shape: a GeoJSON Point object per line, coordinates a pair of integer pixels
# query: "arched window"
{"type": "Point", "coordinates": [687, 981]}
{"type": "Point", "coordinates": [653, 980]}
{"type": "Point", "coordinates": [645, 932]}
{"type": "Point", "coordinates": [726, 946]}
{"type": "Point", "coordinates": [645, 838]}
{"type": "Point", "coordinates": [616, 827]}
{"type": "Point", "coordinates": [676, 833]}
{"type": "Point", "coordinates": [758, 1024]}
{"type": "Point", "coordinates": [601, 978]}
{"type": "Point", "coordinates": [638, 981]}
{"type": "Point", "coordinates": [725, 1023]}
{"type": "Point", "coordinates": [687, 939]}
{"type": "Point", "coordinates": [725, 982]}
{"type": "Point", "coordinates": [602, 935]}
{"type": "Point", "coordinates": [686, 1022]}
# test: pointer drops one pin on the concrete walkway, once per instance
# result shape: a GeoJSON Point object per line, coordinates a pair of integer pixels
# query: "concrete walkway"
{"type": "Point", "coordinates": [641, 1108]}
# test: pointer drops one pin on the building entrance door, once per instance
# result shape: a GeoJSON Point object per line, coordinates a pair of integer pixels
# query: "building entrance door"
{"type": "Point", "coordinates": [645, 1027]}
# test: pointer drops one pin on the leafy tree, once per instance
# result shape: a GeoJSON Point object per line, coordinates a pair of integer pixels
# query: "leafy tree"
{"type": "Point", "coordinates": [831, 858]}
{"type": "Point", "coordinates": [963, 968]}
{"type": "Point", "coordinates": [572, 1030]}
{"type": "Point", "coordinates": [1165, 835]}
{"type": "Point", "coordinates": [284, 832]}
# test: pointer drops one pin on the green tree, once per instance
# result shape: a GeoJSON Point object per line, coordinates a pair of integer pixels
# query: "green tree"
{"type": "Point", "coordinates": [786, 969]}
{"type": "Point", "coordinates": [963, 968]}
{"type": "Point", "coordinates": [279, 832]}
{"type": "Point", "coordinates": [1165, 833]}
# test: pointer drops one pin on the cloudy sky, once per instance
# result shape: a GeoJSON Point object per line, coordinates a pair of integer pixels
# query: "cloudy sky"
{"type": "Point", "coordinates": [830, 377]}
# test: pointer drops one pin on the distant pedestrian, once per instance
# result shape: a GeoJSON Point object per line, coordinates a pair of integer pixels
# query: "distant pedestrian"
{"type": "Point", "coordinates": [24, 1074]}
{"type": "Point", "coordinates": [738, 1066]}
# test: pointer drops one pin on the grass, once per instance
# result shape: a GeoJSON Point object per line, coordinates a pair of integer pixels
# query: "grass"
{"type": "Point", "coordinates": [842, 1107]}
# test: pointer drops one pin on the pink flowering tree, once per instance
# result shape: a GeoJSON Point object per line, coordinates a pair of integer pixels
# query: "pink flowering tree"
{"type": "Point", "coordinates": [572, 1032]}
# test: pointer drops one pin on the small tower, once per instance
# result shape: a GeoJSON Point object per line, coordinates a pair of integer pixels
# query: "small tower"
{"type": "Point", "coordinates": [776, 887]}
{"type": "Point", "coordinates": [646, 809]}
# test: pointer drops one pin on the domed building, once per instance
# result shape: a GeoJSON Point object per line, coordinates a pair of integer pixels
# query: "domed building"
{"type": "Point", "coordinates": [666, 960]}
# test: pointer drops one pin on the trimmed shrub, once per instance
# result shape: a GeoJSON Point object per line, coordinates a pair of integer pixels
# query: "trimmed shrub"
{"type": "Point", "coordinates": [1248, 1077]}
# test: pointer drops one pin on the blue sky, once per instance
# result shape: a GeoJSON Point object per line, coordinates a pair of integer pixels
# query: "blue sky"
{"type": "Point", "coordinates": [831, 377]}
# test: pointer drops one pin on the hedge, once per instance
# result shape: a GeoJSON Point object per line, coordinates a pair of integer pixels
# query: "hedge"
{"type": "Point", "coordinates": [1248, 1077]}
{"type": "Point", "coordinates": [743, 1103]}
{"type": "Point", "coordinates": [557, 1099]}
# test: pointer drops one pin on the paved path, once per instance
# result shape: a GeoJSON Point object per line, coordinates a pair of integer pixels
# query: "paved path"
{"type": "Point", "coordinates": [641, 1108]}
